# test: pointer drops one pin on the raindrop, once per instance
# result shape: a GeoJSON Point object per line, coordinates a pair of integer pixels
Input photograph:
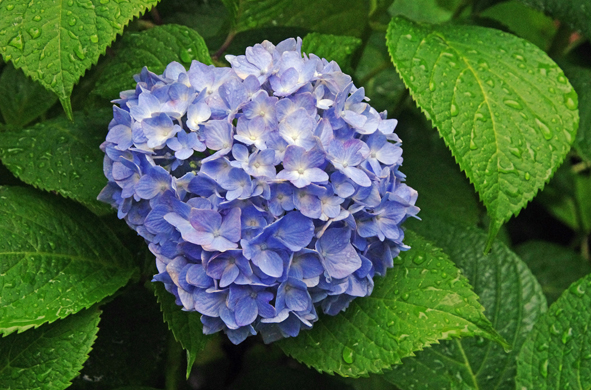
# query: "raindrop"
{"type": "Point", "coordinates": [491, 83]}
{"type": "Point", "coordinates": [72, 22]}
{"type": "Point", "coordinates": [567, 335]}
{"type": "Point", "coordinates": [17, 42]}
{"type": "Point", "coordinates": [527, 176]}
{"type": "Point", "coordinates": [554, 329]}
{"type": "Point", "coordinates": [571, 100]}
{"type": "Point", "coordinates": [577, 289]}
{"type": "Point", "coordinates": [405, 296]}
{"type": "Point", "coordinates": [348, 355]}
{"type": "Point", "coordinates": [453, 110]}
{"type": "Point", "coordinates": [544, 368]}
{"type": "Point", "coordinates": [542, 347]}
{"type": "Point", "coordinates": [546, 132]}
{"type": "Point", "coordinates": [431, 86]}
{"type": "Point", "coordinates": [473, 145]}
{"type": "Point", "coordinates": [37, 18]}
{"type": "Point", "coordinates": [513, 104]}
{"type": "Point", "coordinates": [562, 79]}
{"type": "Point", "coordinates": [519, 57]}
{"type": "Point", "coordinates": [185, 55]}
{"type": "Point", "coordinates": [10, 7]}
{"type": "Point", "coordinates": [419, 259]}
{"type": "Point", "coordinates": [70, 2]}
{"type": "Point", "coordinates": [79, 53]}
{"type": "Point", "coordinates": [34, 32]}
{"type": "Point", "coordinates": [94, 38]}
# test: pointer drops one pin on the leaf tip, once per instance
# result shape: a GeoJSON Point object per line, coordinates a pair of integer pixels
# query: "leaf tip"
{"type": "Point", "coordinates": [67, 105]}
{"type": "Point", "coordinates": [493, 230]}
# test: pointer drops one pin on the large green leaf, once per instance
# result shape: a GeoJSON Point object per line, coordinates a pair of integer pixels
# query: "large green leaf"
{"type": "Point", "coordinates": [557, 352]}
{"type": "Point", "coordinates": [48, 358]}
{"type": "Point", "coordinates": [55, 42]}
{"type": "Point", "coordinates": [503, 107]}
{"type": "Point", "coordinates": [575, 13]}
{"type": "Point", "coordinates": [430, 11]}
{"type": "Point", "coordinates": [555, 266]}
{"type": "Point", "coordinates": [512, 299]}
{"type": "Point", "coordinates": [154, 48]}
{"type": "Point", "coordinates": [338, 48]}
{"type": "Point", "coordinates": [345, 17]}
{"type": "Point", "coordinates": [185, 326]}
{"type": "Point", "coordinates": [60, 155]}
{"type": "Point", "coordinates": [56, 258]}
{"type": "Point", "coordinates": [581, 79]}
{"type": "Point", "coordinates": [22, 99]}
{"type": "Point", "coordinates": [422, 300]}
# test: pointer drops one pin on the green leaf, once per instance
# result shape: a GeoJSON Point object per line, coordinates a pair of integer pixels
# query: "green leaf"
{"type": "Point", "coordinates": [524, 21]}
{"type": "Point", "coordinates": [332, 47]}
{"type": "Point", "coordinates": [581, 80]}
{"type": "Point", "coordinates": [575, 13]}
{"type": "Point", "coordinates": [55, 42]}
{"type": "Point", "coordinates": [50, 357]}
{"type": "Point", "coordinates": [154, 48]}
{"type": "Point", "coordinates": [185, 326]}
{"type": "Point", "coordinates": [22, 99]}
{"type": "Point", "coordinates": [62, 156]}
{"type": "Point", "coordinates": [555, 266]}
{"type": "Point", "coordinates": [508, 129]}
{"type": "Point", "coordinates": [422, 300]}
{"type": "Point", "coordinates": [512, 299]}
{"type": "Point", "coordinates": [429, 11]}
{"type": "Point", "coordinates": [345, 17]}
{"type": "Point", "coordinates": [130, 344]}
{"type": "Point", "coordinates": [557, 352]}
{"type": "Point", "coordinates": [426, 161]}
{"type": "Point", "coordinates": [56, 258]}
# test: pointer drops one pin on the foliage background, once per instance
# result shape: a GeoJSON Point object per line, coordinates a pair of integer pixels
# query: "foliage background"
{"type": "Point", "coordinates": [502, 85]}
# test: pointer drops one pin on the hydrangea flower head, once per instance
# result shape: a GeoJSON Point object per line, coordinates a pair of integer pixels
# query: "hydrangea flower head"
{"type": "Point", "coordinates": [267, 191]}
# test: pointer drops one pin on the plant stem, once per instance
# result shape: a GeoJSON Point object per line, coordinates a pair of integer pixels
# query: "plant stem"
{"type": "Point", "coordinates": [560, 41]}
{"type": "Point", "coordinates": [224, 46]}
{"type": "Point", "coordinates": [173, 364]}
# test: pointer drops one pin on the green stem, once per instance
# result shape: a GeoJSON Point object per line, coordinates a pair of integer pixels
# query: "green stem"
{"type": "Point", "coordinates": [560, 41]}
{"type": "Point", "coordinates": [458, 11]}
{"type": "Point", "coordinates": [173, 364]}
{"type": "Point", "coordinates": [374, 72]}
{"type": "Point", "coordinates": [224, 46]}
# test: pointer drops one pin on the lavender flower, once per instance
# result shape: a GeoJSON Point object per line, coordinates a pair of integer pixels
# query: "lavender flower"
{"type": "Point", "coordinates": [266, 191]}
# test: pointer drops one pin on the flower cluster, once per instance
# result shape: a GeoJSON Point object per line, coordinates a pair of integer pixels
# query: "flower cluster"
{"type": "Point", "coordinates": [266, 191]}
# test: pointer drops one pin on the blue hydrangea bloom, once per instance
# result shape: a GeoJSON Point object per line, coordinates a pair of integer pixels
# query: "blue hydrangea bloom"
{"type": "Point", "coordinates": [267, 191]}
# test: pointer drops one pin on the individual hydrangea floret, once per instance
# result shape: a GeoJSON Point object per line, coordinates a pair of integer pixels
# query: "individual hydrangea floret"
{"type": "Point", "coordinates": [267, 191]}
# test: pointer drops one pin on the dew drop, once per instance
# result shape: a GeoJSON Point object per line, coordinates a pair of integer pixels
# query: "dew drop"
{"type": "Point", "coordinates": [348, 355]}
{"type": "Point", "coordinates": [17, 42]}
{"type": "Point", "coordinates": [490, 82]}
{"type": "Point", "coordinates": [513, 104]}
{"type": "Point", "coordinates": [546, 132]}
{"type": "Point", "coordinates": [36, 18]}
{"type": "Point", "coordinates": [431, 86]}
{"type": "Point", "coordinates": [419, 259]}
{"type": "Point", "coordinates": [567, 335]}
{"type": "Point", "coordinates": [70, 2]}
{"type": "Point", "coordinates": [72, 22]}
{"type": "Point", "coordinates": [571, 100]}
{"type": "Point", "coordinates": [562, 79]}
{"type": "Point", "coordinates": [405, 296]}
{"type": "Point", "coordinates": [577, 289]}
{"type": "Point", "coordinates": [34, 32]}
{"type": "Point", "coordinates": [453, 110]}
{"type": "Point", "coordinates": [79, 53]}
{"type": "Point", "coordinates": [10, 7]}
{"type": "Point", "coordinates": [473, 145]}
{"type": "Point", "coordinates": [554, 329]}
{"type": "Point", "coordinates": [94, 38]}
{"type": "Point", "coordinates": [544, 368]}
{"type": "Point", "coordinates": [542, 347]}
{"type": "Point", "coordinates": [186, 55]}
{"type": "Point", "coordinates": [527, 176]}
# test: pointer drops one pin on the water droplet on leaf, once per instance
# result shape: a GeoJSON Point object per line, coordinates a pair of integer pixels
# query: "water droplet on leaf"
{"type": "Point", "coordinates": [348, 355]}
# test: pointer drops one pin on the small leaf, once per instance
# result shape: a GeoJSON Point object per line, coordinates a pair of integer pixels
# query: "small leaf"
{"type": "Point", "coordinates": [345, 17]}
{"type": "Point", "coordinates": [555, 266]}
{"type": "Point", "coordinates": [154, 48]}
{"type": "Point", "coordinates": [581, 79]}
{"type": "Point", "coordinates": [338, 48]}
{"type": "Point", "coordinates": [55, 42]}
{"type": "Point", "coordinates": [513, 301]}
{"type": "Point", "coordinates": [422, 300]}
{"type": "Point", "coordinates": [557, 352]}
{"type": "Point", "coordinates": [509, 130]}
{"type": "Point", "coordinates": [48, 357]}
{"type": "Point", "coordinates": [575, 13]}
{"type": "Point", "coordinates": [56, 258]}
{"type": "Point", "coordinates": [22, 99]}
{"type": "Point", "coordinates": [62, 156]}
{"type": "Point", "coordinates": [429, 11]}
{"type": "Point", "coordinates": [185, 326]}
